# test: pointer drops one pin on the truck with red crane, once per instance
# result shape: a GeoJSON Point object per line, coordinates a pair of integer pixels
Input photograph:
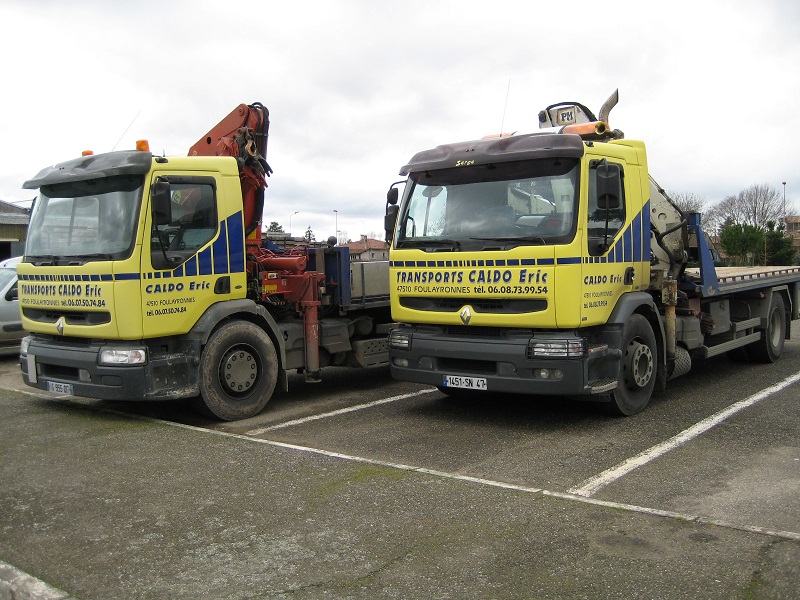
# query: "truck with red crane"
{"type": "Point", "coordinates": [145, 278]}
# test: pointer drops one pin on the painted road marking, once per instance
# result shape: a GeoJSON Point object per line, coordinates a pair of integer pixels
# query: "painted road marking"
{"type": "Point", "coordinates": [789, 535]}
{"type": "Point", "coordinates": [335, 413]}
{"type": "Point", "coordinates": [581, 498]}
{"type": "Point", "coordinates": [594, 484]}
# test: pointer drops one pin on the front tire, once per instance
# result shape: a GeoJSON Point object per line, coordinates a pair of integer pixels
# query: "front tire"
{"type": "Point", "coordinates": [238, 371]}
{"type": "Point", "coordinates": [637, 371]}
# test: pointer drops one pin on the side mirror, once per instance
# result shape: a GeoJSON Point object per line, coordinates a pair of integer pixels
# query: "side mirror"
{"type": "Point", "coordinates": [392, 195]}
{"type": "Point", "coordinates": [160, 195]}
{"type": "Point", "coordinates": [609, 183]}
{"type": "Point", "coordinates": [390, 221]}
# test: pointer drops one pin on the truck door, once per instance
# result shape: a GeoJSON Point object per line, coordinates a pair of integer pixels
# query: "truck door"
{"type": "Point", "coordinates": [611, 247]}
{"type": "Point", "coordinates": [180, 270]}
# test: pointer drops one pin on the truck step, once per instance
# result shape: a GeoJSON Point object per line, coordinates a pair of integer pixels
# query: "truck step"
{"type": "Point", "coordinates": [746, 324]}
{"type": "Point", "coordinates": [602, 386]}
{"type": "Point", "coordinates": [709, 351]}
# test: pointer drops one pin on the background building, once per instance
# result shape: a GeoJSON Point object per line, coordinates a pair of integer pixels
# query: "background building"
{"type": "Point", "coordinates": [13, 229]}
{"type": "Point", "coordinates": [367, 249]}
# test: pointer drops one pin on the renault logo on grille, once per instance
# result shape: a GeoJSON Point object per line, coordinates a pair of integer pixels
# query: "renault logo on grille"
{"type": "Point", "coordinates": [465, 315]}
{"type": "Point", "coordinates": [60, 326]}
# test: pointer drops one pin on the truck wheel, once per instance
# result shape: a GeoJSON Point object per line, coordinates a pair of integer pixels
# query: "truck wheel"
{"type": "Point", "coordinates": [238, 371]}
{"type": "Point", "coordinates": [770, 347]}
{"type": "Point", "coordinates": [637, 371]}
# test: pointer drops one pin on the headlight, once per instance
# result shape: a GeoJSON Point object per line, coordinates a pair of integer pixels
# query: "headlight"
{"type": "Point", "coordinates": [399, 340]}
{"type": "Point", "coordinates": [116, 356]}
{"type": "Point", "coordinates": [570, 348]}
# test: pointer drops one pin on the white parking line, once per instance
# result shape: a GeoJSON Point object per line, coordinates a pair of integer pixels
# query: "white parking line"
{"type": "Point", "coordinates": [335, 413]}
{"type": "Point", "coordinates": [594, 484]}
{"type": "Point", "coordinates": [789, 535]}
{"type": "Point", "coordinates": [570, 495]}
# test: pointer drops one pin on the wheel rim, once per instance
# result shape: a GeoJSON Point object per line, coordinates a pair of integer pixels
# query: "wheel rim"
{"type": "Point", "coordinates": [639, 365]}
{"type": "Point", "coordinates": [239, 370]}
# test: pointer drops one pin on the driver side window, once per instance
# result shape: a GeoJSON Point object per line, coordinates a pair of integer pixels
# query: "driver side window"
{"type": "Point", "coordinates": [599, 215]}
{"type": "Point", "coordinates": [192, 222]}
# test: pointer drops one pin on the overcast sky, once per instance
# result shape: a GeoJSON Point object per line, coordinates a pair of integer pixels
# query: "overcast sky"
{"type": "Point", "coordinates": [355, 88]}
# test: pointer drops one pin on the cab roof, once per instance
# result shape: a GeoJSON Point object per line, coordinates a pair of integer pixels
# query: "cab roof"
{"type": "Point", "coordinates": [505, 149]}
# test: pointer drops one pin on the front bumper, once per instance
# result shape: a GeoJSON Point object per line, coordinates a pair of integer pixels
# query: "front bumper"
{"type": "Point", "coordinates": [75, 363]}
{"type": "Point", "coordinates": [501, 357]}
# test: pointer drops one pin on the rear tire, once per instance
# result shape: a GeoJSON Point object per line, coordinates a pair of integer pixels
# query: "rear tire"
{"type": "Point", "coordinates": [770, 347]}
{"type": "Point", "coordinates": [637, 370]}
{"type": "Point", "coordinates": [238, 371]}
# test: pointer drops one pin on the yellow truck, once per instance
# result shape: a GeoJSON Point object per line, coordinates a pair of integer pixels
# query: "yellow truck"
{"type": "Point", "coordinates": [145, 278]}
{"type": "Point", "coordinates": [553, 264]}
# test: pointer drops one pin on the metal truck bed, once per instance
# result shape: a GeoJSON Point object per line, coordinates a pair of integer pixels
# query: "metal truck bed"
{"type": "Point", "coordinates": [738, 279]}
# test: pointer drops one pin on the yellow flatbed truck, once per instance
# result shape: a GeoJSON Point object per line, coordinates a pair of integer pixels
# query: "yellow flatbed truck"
{"type": "Point", "coordinates": [553, 264]}
{"type": "Point", "coordinates": [145, 278]}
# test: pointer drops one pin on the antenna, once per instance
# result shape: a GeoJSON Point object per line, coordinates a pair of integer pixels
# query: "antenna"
{"type": "Point", "coordinates": [126, 130]}
{"type": "Point", "coordinates": [503, 122]}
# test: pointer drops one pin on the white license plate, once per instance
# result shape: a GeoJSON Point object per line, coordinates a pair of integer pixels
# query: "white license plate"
{"type": "Point", "coordinates": [59, 388]}
{"type": "Point", "coordinates": [468, 383]}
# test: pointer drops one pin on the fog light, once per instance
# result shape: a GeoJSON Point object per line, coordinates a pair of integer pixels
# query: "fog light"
{"type": "Point", "coordinates": [549, 374]}
{"type": "Point", "coordinates": [400, 362]}
{"type": "Point", "coordinates": [132, 356]}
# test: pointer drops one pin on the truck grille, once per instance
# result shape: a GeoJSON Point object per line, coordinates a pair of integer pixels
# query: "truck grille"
{"type": "Point", "coordinates": [489, 305]}
{"type": "Point", "coordinates": [70, 317]}
{"type": "Point", "coordinates": [467, 366]}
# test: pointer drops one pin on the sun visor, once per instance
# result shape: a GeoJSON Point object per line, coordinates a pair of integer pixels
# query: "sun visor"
{"type": "Point", "coordinates": [530, 146]}
{"type": "Point", "coordinates": [123, 162]}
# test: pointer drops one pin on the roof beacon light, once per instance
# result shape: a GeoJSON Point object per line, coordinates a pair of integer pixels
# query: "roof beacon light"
{"type": "Point", "coordinates": [143, 145]}
{"type": "Point", "coordinates": [87, 153]}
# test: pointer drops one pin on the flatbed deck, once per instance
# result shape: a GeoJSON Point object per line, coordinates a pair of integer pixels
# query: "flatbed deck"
{"type": "Point", "coordinates": [737, 279]}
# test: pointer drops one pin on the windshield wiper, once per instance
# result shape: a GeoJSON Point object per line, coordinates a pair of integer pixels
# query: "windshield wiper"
{"type": "Point", "coordinates": [453, 244]}
{"type": "Point", "coordinates": [100, 255]}
{"type": "Point", "coordinates": [520, 238]}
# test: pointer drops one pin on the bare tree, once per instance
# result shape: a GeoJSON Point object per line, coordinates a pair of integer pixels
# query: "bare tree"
{"type": "Point", "coordinates": [688, 201]}
{"type": "Point", "coordinates": [756, 205]}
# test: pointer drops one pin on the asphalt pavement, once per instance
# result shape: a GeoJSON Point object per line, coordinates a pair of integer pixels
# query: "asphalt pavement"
{"type": "Point", "coordinates": [100, 504]}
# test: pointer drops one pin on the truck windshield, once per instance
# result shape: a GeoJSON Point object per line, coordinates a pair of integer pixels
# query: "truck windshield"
{"type": "Point", "coordinates": [480, 206]}
{"type": "Point", "coordinates": [85, 220]}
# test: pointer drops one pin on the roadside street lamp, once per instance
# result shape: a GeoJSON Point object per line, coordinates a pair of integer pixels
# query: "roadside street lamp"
{"type": "Point", "coordinates": [290, 221]}
{"type": "Point", "coordinates": [336, 215]}
{"type": "Point", "coordinates": [785, 226]}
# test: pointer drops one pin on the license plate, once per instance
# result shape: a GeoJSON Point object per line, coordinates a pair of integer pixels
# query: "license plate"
{"type": "Point", "coordinates": [468, 383]}
{"type": "Point", "coordinates": [59, 388]}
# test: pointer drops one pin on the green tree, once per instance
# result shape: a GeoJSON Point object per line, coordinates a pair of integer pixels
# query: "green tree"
{"type": "Point", "coordinates": [309, 235]}
{"type": "Point", "coordinates": [779, 248]}
{"type": "Point", "coordinates": [274, 227]}
{"type": "Point", "coordinates": [743, 243]}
